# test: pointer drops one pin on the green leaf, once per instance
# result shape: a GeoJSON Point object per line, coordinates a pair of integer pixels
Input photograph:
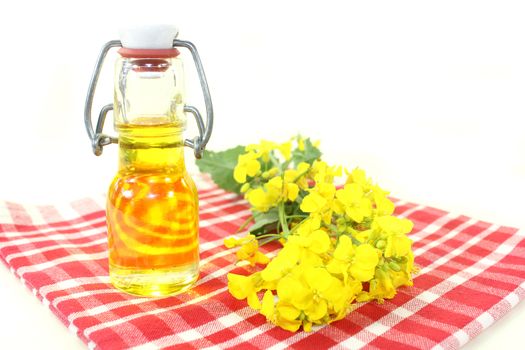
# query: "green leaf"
{"type": "Point", "coordinates": [220, 166]}
{"type": "Point", "coordinates": [308, 155]}
{"type": "Point", "coordinates": [265, 222]}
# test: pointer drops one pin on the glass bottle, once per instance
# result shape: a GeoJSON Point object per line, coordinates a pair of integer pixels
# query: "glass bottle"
{"type": "Point", "coordinates": [152, 205]}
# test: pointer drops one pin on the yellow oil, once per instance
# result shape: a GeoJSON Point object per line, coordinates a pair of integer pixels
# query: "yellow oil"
{"type": "Point", "coordinates": [152, 212]}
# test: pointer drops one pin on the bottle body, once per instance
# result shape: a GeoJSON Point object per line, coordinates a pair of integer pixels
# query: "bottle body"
{"type": "Point", "coordinates": [152, 206]}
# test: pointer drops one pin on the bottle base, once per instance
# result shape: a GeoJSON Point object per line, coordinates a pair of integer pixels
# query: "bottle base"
{"type": "Point", "coordinates": [154, 282]}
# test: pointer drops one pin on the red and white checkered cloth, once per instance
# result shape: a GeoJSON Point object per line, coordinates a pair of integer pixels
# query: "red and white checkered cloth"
{"type": "Point", "coordinates": [472, 273]}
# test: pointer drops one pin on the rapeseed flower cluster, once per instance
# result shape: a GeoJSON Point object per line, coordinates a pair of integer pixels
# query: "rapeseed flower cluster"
{"type": "Point", "coordinates": [340, 244]}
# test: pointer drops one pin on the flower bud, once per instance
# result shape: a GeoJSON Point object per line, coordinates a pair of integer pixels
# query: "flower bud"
{"type": "Point", "coordinates": [245, 187]}
{"type": "Point", "coordinates": [380, 244]}
{"type": "Point", "coordinates": [394, 266]}
{"type": "Point", "coordinates": [400, 259]}
{"type": "Point", "coordinates": [272, 172]}
{"type": "Point", "coordinates": [340, 221]}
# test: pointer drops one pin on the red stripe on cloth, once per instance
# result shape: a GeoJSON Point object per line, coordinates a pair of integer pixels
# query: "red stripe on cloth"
{"type": "Point", "coordinates": [472, 273]}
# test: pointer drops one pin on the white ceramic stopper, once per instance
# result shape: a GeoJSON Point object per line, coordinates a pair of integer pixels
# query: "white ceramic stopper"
{"type": "Point", "coordinates": [149, 36]}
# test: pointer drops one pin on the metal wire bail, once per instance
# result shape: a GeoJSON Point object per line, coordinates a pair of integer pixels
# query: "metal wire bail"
{"type": "Point", "coordinates": [99, 139]}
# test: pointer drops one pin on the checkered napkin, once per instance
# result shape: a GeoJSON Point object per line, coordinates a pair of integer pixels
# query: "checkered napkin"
{"type": "Point", "coordinates": [472, 273]}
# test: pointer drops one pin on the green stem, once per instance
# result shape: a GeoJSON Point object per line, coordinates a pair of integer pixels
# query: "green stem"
{"type": "Point", "coordinates": [301, 175]}
{"type": "Point", "coordinates": [274, 160]}
{"type": "Point", "coordinates": [282, 219]}
{"type": "Point", "coordinates": [332, 227]}
{"type": "Point", "coordinates": [268, 241]}
{"type": "Point", "coordinates": [285, 165]}
{"type": "Point", "coordinates": [245, 223]}
{"type": "Point", "coordinates": [296, 216]}
{"type": "Point", "coordinates": [269, 235]}
{"type": "Point", "coordinates": [296, 226]}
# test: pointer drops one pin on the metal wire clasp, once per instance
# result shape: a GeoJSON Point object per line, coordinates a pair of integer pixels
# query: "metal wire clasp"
{"type": "Point", "coordinates": [99, 139]}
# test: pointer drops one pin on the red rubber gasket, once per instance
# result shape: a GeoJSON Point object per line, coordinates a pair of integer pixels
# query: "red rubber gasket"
{"type": "Point", "coordinates": [148, 53]}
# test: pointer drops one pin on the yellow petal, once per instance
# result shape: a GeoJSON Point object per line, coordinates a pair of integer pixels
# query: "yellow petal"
{"type": "Point", "coordinates": [318, 278]}
{"type": "Point", "coordinates": [326, 190]}
{"type": "Point", "coordinates": [302, 167]}
{"type": "Point", "coordinates": [239, 174]}
{"type": "Point", "coordinates": [268, 307]}
{"type": "Point", "coordinates": [253, 301]}
{"type": "Point", "coordinates": [313, 202]}
{"type": "Point", "coordinates": [336, 266]}
{"type": "Point", "coordinates": [288, 288]}
{"type": "Point", "coordinates": [290, 175]}
{"type": "Point", "coordinates": [361, 273]}
{"type": "Point", "coordinates": [288, 325]}
{"type": "Point", "coordinates": [354, 214]}
{"type": "Point", "coordinates": [288, 312]}
{"type": "Point", "coordinates": [359, 176]}
{"type": "Point", "coordinates": [231, 242]}
{"type": "Point", "coordinates": [397, 245]}
{"type": "Point", "coordinates": [239, 286]}
{"type": "Point", "coordinates": [272, 271]}
{"type": "Point", "coordinates": [334, 293]}
{"type": "Point", "coordinates": [260, 258]}
{"type": "Point", "coordinates": [276, 183]}
{"type": "Point", "coordinates": [300, 144]}
{"type": "Point", "coordinates": [365, 261]}
{"type": "Point", "coordinates": [320, 242]}
{"type": "Point", "coordinates": [366, 255]}
{"type": "Point", "coordinates": [293, 191]}
{"type": "Point", "coordinates": [392, 224]}
{"type": "Point", "coordinates": [258, 199]}
{"type": "Point", "coordinates": [285, 259]}
{"type": "Point", "coordinates": [310, 258]}
{"type": "Point", "coordinates": [344, 249]}
{"type": "Point", "coordinates": [289, 255]}
{"type": "Point", "coordinates": [309, 225]}
{"type": "Point", "coordinates": [286, 150]}
{"type": "Point", "coordinates": [252, 167]}
{"type": "Point", "coordinates": [383, 205]}
{"type": "Point", "coordinates": [307, 326]}
{"type": "Point", "coordinates": [317, 310]}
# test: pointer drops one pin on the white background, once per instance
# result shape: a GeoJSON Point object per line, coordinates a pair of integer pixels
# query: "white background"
{"type": "Point", "coordinates": [427, 96]}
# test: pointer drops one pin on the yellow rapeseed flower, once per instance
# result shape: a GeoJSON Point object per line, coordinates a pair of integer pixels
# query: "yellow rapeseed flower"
{"type": "Point", "coordinates": [268, 305]}
{"type": "Point", "coordinates": [279, 266]}
{"type": "Point", "coordinates": [272, 193]}
{"type": "Point", "coordinates": [249, 250]}
{"type": "Point", "coordinates": [352, 202]}
{"type": "Point", "coordinates": [358, 176]}
{"type": "Point", "coordinates": [342, 258]}
{"type": "Point", "coordinates": [313, 203]}
{"type": "Point", "coordinates": [285, 149]}
{"type": "Point", "coordinates": [300, 143]}
{"type": "Point", "coordinates": [339, 246]}
{"type": "Point", "coordinates": [312, 245]}
{"type": "Point", "coordinates": [247, 165]}
{"type": "Point", "coordinates": [243, 287]}
{"type": "Point", "coordinates": [263, 149]}
{"type": "Point", "coordinates": [383, 205]}
{"type": "Point", "coordinates": [319, 202]}
{"type": "Point", "coordinates": [322, 173]}
{"type": "Point", "coordinates": [364, 262]}
{"type": "Point", "coordinates": [395, 229]}
{"type": "Point", "coordinates": [300, 298]}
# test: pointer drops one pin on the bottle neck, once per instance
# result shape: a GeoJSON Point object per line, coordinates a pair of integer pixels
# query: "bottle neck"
{"type": "Point", "coordinates": [152, 149]}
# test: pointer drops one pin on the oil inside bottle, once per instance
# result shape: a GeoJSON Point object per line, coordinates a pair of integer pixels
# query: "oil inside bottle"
{"type": "Point", "coordinates": [152, 211]}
